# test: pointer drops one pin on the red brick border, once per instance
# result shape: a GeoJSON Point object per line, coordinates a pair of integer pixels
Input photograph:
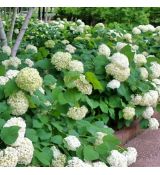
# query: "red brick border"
{"type": "Point", "coordinates": [128, 133]}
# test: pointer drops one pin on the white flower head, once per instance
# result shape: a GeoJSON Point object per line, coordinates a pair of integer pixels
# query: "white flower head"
{"type": "Point", "coordinates": [99, 164]}
{"type": "Point", "coordinates": [11, 73]}
{"type": "Point", "coordinates": [29, 62]}
{"type": "Point", "coordinates": [8, 157]}
{"type": "Point", "coordinates": [140, 59]}
{"type": "Point", "coordinates": [104, 50]}
{"type": "Point", "coordinates": [116, 159]}
{"type": "Point", "coordinates": [120, 46]}
{"type": "Point", "coordinates": [61, 60]}
{"type": "Point", "coordinates": [25, 152]}
{"type": "Point", "coordinates": [114, 84]}
{"type": "Point", "coordinates": [29, 79]}
{"type": "Point", "coordinates": [77, 113]}
{"type": "Point", "coordinates": [153, 124]}
{"type": "Point", "coordinates": [72, 142]}
{"type": "Point", "coordinates": [147, 114]}
{"type": "Point", "coordinates": [143, 73]}
{"type": "Point", "coordinates": [83, 85]}
{"type": "Point", "coordinates": [76, 65]}
{"type": "Point", "coordinates": [120, 60]}
{"type": "Point", "coordinates": [136, 31]}
{"type": "Point", "coordinates": [31, 48]}
{"type": "Point", "coordinates": [76, 162]}
{"type": "Point", "coordinates": [70, 48]}
{"type": "Point", "coordinates": [155, 70]}
{"type": "Point", "coordinates": [131, 155]}
{"type": "Point", "coordinates": [128, 113]}
{"type": "Point", "coordinates": [3, 80]}
{"type": "Point", "coordinates": [99, 138]}
{"type": "Point", "coordinates": [19, 103]}
{"type": "Point", "coordinates": [7, 50]}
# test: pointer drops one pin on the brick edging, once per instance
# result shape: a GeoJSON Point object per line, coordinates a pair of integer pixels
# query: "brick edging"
{"type": "Point", "coordinates": [127, 134]}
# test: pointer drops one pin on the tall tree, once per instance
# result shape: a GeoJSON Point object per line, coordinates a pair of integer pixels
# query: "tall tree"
{"type": "Point", "coordinates": [3, 37]}
{"type": "Point", "coordinates": [10, 33]}
{"type": "Point", "coordinates": [22, 32]}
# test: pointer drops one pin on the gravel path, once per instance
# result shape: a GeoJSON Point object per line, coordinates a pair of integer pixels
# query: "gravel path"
{"type": "Point", "coordinates": [148, 147]}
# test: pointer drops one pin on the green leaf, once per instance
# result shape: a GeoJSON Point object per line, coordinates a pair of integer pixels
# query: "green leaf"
{"type": "Point", "coordinates": [128, 52]}
{"type": "Point", "coordinates": [57, 139]}
{"type": "Point", "coordinates": [144, 123]}
{"type": "Point", "coordinates": [43, 51]}
{"type": "Point", "coordinates": [31, 134]}
{"type": "Point", "coordinates": [37, 124]}
{"type": "Point", "coordinates": [139, 110]}
{"type": "Point", "coordinates": [115, 102]}
{"type": "Point", "coordinates": [91, 77]}
{"type": "Point", "coordinates": [124, 91]}
{"type": "Point", "coordinates": [3, 107]}
{"type": "Point", "coordinates": [10, 88]}
{"type": "Point", "coordinates": [49, 80]}
{"type": "Point", "coordinates": [111, 141]}
{"type": "Point", "coordinates": [70, 77]}
{"type": "Point", "coordinates": [2, 70]}
{"type": "Point", "coordinates": [44, 156]}
{"type": "Point", "coordinates": [103, 107]}
{"type": "Point", "coordinates": [2, 122]}
{"type": "Point", "coordinates": [43, 135]}
{"type": "Point", "coordinates": [90, 154]}
{"type": "Point", "coordinates": [92, 103]}
{"type": "Point", "coordinates": [9, 134]}
{"type": "Point", "coordinates": [43, 64]}
{"type": "Point", "coordinates": [100, 62]}
{"type": "Point", "coordinates": [158, 108]}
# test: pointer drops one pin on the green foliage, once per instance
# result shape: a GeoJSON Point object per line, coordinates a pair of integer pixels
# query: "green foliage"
{"type": "Point", "coordinates": [9, 134]}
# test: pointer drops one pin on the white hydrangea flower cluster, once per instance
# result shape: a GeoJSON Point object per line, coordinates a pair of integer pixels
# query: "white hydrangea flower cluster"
{"type": "Point", "coordinates": [147, 114]}
{"type": "Point", "coordinates": [114, 84]}
{"type": "Point", "coordinates": [128, 37]}
{"type": "Point", "coordinates": [119, 67]}
{"type": "Point", "coordinates": [72, 142]}
{"type": "Point", "coordinates": [99, 164]}
{"type": "Point", "coordinates": [22, 149]}
{"type": "Point", "coordinates": [7, 50]}
{"type": "Point", "coordinates": [128, 113]}
{"type": "Point", "coordinates": [83, 85]}
{"type": "Point", "coordinates": [77, 113]}
{"type": "Point", "coordinates": [29, 79]}
{"type": "Point", "coordinates": [25, 152]}
{"type": "Point", "coordinates": [59, 159]}
{"type": "Point", "coordinates": [11, 73]}
{"type": "Point", "coordinates": [69, 48]}
{"type": "Point", "coordinates": [31, 48]}
{"type": "Point", "coordinates": [131, 155]}
{"type": "Point", "coordinates": [153, 123]}
{"type": "Point", "coordinates": [146, 28]}
{"type": "Point", "coordinates": [76, 65]}
{"type": "Point", "coordinates": [120, 46]}
{"type": "Point", "coordinates": [3, 80]}
{"type": "Point", "coordinates": [104, 50]}
{"type": "Point", "coordinates": [65, 42]}
{"type": "Point", "coordinates": [136, 31]}
{"type": "Point", "coordinates": [117, 159]}
{"type": "Point", "coordinates": [16, 31]}
{"type": "Point", "coordinates": [18, 103]}
{"type": "Point", "coordinates": [140, 59]}
{"type": "Point", "coordinates": [155, 70]}
{"type": "Point", "coordinates": [61, 60]}
{"type": "Point", "coordinates": [12, 61]}
{"type": "Point", "coordinates": [143, 73]}
{"type": "Point", "coordinates": [99, 138]}
{"type": "Point", "coordinates": [150, 98]}
{"type": "Point", "coordinates": [29, 62]}
{"type": "Point", "coordinates": [49, 44]}
{"type": "Point", "coordinates": [17, 121]}
{"type": "Point", "coordinates": [8, 157]}
{"type": "Point", "coordinates": [134, 47]}
{"type": "Point", "coordinates": [76, 162]}
{"type": "Point", "coordinates": [100, 25]}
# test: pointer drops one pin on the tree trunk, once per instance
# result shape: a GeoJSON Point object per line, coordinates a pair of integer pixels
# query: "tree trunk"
{"type": "Point", "coordinates": [3, 37]}
{"type": "Point", "coordinates": [10, 33]}
{"type": "Point", "coordinates": [22, 32]}
{"type": "Point", "coordinates": [40, 15]}
{"type": "Point", "coordinates": [46, 15]}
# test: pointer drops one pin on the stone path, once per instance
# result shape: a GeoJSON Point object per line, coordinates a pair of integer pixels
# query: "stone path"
{"type": "Point", "coordinates": [148, 147]}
